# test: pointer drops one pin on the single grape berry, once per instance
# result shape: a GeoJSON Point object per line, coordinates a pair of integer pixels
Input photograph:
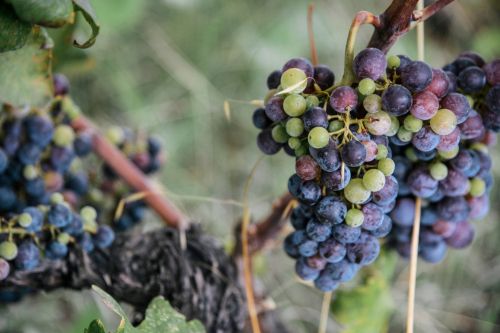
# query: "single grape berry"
{"type": "Point", "coordinates": [273, 80]}
{"type": "Point", "coordinates": [374, 180]}
{"type": "Point", "coordinates": [266, 143]}
{"type": "Point", "coordinates": [315, 117]}
{"type": "Point", "coordinates": [354, 217]}
{"type": "Point", "coordinates": [274, 109]}
{"type": "Point", "coordinates": [416, 76]}
{"type": "Point", "coordinates": [318, 137]}
{"type": "Point", "coordinates": [323, 76]}
{"type": "Point", "coordinates": [370, 63]}
{"type": "Point", "coordinates": [344, 99]}
{"type": "Point", "coordinates": [472, 79]}
{"type": "Point", "coordinates": [294, 105]}
{"type": "Point", "coordinates": [396, 100]}
{"type": "Point", "coordinates": [444, 122]}
{"type": "Point", "coordinates": [259, 119]}
{"type": "Point", "coordinates": [353, 153]}
{"type": "Point", "coordinates": [355, 192]}
{"type": "Point", "coordinates": [8, 250]}
{"type": "Point", "coordinates": [294, 78]}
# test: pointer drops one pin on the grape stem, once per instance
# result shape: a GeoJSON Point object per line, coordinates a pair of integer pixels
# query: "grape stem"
{"type": "Point", "coordinates": [310, 31]}
{"type": "Point", "coordinates": [169, 213]}
{"type": "Point", "coordinates": [413, 267]}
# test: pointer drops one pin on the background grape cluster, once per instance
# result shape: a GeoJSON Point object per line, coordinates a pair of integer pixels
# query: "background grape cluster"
{"type": "Point", "coordinates": [366, 149]}
{"type": "Point", "coordinates": [54, 192]}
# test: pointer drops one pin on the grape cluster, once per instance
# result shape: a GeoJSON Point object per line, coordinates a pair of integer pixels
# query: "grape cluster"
{"type": "Point", "coordinates": [53, 192]}
{"type": "Point", "coordinates": [454, 176]}
{"type": "Point", "coordinates": [366, 149]}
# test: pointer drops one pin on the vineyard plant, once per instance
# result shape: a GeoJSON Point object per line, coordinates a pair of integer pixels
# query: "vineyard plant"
{"type": "Point", "coordinates": [216, 166]}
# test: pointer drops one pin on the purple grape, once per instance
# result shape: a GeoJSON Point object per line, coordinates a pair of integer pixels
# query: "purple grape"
{"type": "Point", "coordinates": [59, 216]}
{"type": "Point", "coordinates": [39, 129]}
{"type": "Point", "coordinates": [425, 105]}
{"type": "Point", "coordinates": [450, 141]}
{"type": "Point", "coordinates": [7, 198]}
{"type": "Point", "coordinates": [404, 212]}
{"type": "Point", "coordinates": [260, 119]}
{"type": "Point", "coordinates": [316, 262]}
{"type": "Point", "coordinates": [327, 158]}
{"type": "Point", "coordinates": [397, 100]}
{"type": "Point", "coordinates": [404, 249]}
{"type": "Point", "coordinates": [462, 63]}
{"type": "Point", "coordinates": [343, 271]}
{"type": "Point", "coordinates": [492, 70]}
{"type": "Point", "coordinates": [462, 237]}
{"type": "Point", "coordinates": [4, 269]}
{"type": "Point", "coordinates": [374, 216]}
{"type": "Point", "coordinates": [274, 79]}
{"type": "Point", "coordinates": [364, 251]}
{"type": "Point", "coordinates": [304, 271]}
{"type": "Point", "coordinates": [421, 182]}
{"type": "Point", "coordinates": [472, 79]}
{"type": "Point", "coordinates": [318, 231]}
{"type": "Point", "coordinates": [294, 183]}
{"type": "Point", "coordinates": [266, 143]}
{"type": "Point", "coordinates": [353, 153]}
{"type": "Point", "coordinates": [346, 234]}
{"type": "Point", "coordinates": [479, 207]}
{"type": "Point", "coordinates": [433, 253]}
{"type": "Point", "coordinates": [333, 181]}
{"type": "Point", "coordinates": [453, 209]}
{"type": "Point", "coordinates": [473, 127]}
{"type": "Point", "coordinates": [455, 184]}
{"type": "Point", "coordinates": [61, 158]}
{"type": "Point", "coordinates": [331, 209]}
{"type": "Point", "coordinates": [323, 76]}
{"type": "Point", "coordinates": [478, 60]}
{"type": "Point", "coordinates": [444, 228]}
{"type": "Point", "coordinates": [388, 193]}
{"type": "Point", "coordinates": [440, 83]}
{"type": "Point", "coordinates": [274, 109]}
{"type": "Point", "coordinates": [344, 99]}
{"type": "Point", "coordinates": [425, 139]}
{"type": "Point", "coordinates": [299, 217]}
{"type": "Point", "coordinates": [308, 248]}
{"type": "Point", "coordinates": [416, 76]}
{"type": "Point", "coordinates": [452, 78]}
{"type": "Point", "coordinates": [36, 219]}
{"type": "Point", "coordinates": [425, 155]}
{"type": "Point", "coordinates": [315, 117]}
{"type": "Point", "coordinates": [300, 63]}
{"type": "Point", "coordinates": [491, 121]}
{"type": "Point", "coordinates": [61, 84]}
{"type": "Point", "coordinates": [429, 216]}
{"type": "Point", "coordinates": [332, 251]}
{"type": "Point", "coordinates": [28, 256]}
{"type": "Point", "coordinates": [307, 168]}
{"type": "Point", "coordinates": [83, 144]}
{"type": "Point", "coordinates": [493, 99]}
{"type": "Point", "coordinates": [309, 192]}
{"type": "Point", "coordinates": [370, 63]}
{"type": "Point", "coordinates": [389, 206]}
{"type": "Point", "coordinates": [29, 154]}
{"type": "Point", "coordinates": [384, 229]}
{"type": "Point", "coordinates": [325, 283]}
{"type": "Point", "coordinates": [458, 104]}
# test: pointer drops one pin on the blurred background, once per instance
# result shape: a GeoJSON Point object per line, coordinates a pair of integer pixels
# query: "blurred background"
{"type": "Point", "coordinates": [167, 66]}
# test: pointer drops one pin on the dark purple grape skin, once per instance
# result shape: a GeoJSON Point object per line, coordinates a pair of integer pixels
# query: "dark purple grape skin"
{"type": "Point", "coordinates": [308, 248]}
{"type": "Point", "coordinates": [291, 247]}
{"type": "Point", "coordinates": [309, 192]}
{"type": "Point", "coordinates": [493, 99]}
{"type": "Point", "coordinates": [452, 79]}
{"type": "Point", "coordinates": [402, 167]}
{"type": "Point", "coordinates": [440, 83]}
{"type": "Point", "coordinates": [299, 217]}
{"type": "Point", "coordinates": [462, 236]}
{"type": "Point", "coordinates": [429, 216]}
{"type": "Point", "coordinates": [389, 206]}
{"type": "Point", "coordinates": [28, 154]}
{"type": "Point", "coordinates": [425, 140]}
{"type": "Point", "coordinates": [425, 105]}
{"type": "Point", "coordinates": [492, 70]}
{"type": "Point", "coordinates": [453, 209]}
{"type": "Point", "coordinates": [300, 63]}
{"type": "Point", "coordinates": [403, 61]}
{"type": "Point", "coordinates": [388, 193]}
{"type": "Point", "coordinates": [353, 153]}
{"type": "Point", "coordinates": [318, 231]}
{"type": "Point", "coordinates": [461, 63]}
{"type": "Point", "coordinates": [327, 158]}
{"type": "Point", "coordinates": [266, 143]}
{"type": "Point", "coordinates": [325, 283]}
{"type": "Point", "coordinates": [416, 76]}
{"type": "Point", "coordinates": [294, 183]}
{"type": "Point", "coordinates": [464, 160]}
{"type": "Point", "coordinates": [421, 182]}
{"type": "Point", "coordinates": [450, 141]}
{"type": "Point", "coordinates": [472, 79]}
{"type": "Point", "coordinates": [425, 156]}
{"type": "Point", "coordinates": [333, 180]}
{"type": "Point", "coordinates": [343, 99]}
{"type": "Point", "coordinates": [332, 251]}
{"type": "Point", "coordinates": [61, 84]}
{"type": "Point", "coordinates": [365, 251]}
{"type": "Point", "coordinates": [404, 212]}
{"type": "Point", "coordinates": [307, 168]}
{"type": "Point", "coordinates": [323, 76]}
{"type": "Point", "coordinates": [397, 100]}
{"type": "Point", "coordinates": [342, 271]}
{"type": "Point", "coordinates": [458, 104]}
{"type": "Point", "coordinates": [260, 119]}
{"type": "Point", "coordinates": [315, 117]}
{"type": "Point", "coordinates": [61, 158]}
{"type": "Point", "coordinates": [304, 271]}
{"type": "Point", "coordinates": [374, 215]}
{"type": "Point", "coordinates": [455, 184]}
{"type": "Point", "coordinates": [491, 120]}
{"type": "Point", "coordinates": [274, 79]}
{"type": "Point", "coordinates": [433, 253]}
{"type": "Point", "coordinates": [473, 127]}
{"type": "Point", "coordinates": [39, 130]}
{"type": "Point", "coordinates": [478, 60]}
{"type": "Point", "coordinates": [4, 269]}
{"type": "Point", "coordinates": [28, 256]}
{"type": "Point", "coordinates": [384, 229]}
{"type": "Point", "coordinates": [83, 145]}
{"type": "Point", "coordinates": [331, 209]}
{"type": "Point", "coordinates": [370, 63]}
{"type": "Point", "coordinates": [479, 207]}
{"type": "Point", "coordinates": [274, 109]}
{"type": "Point", "coordinates": [346, 234]}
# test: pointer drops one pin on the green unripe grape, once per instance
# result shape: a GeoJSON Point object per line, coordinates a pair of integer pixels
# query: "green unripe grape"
{"type": "Point", "coordinates": [292, 77]}
{"type": "Point", "coordinates": [404, 135]}
{"type": "Point", "coordinates": [70, 108]}
{"type": "Point", "coordinates": [448, 155]}
{"type": "Point", "coordinates": [116, 135]}
{"type": "Point", "coordinates": [470, 100]}
{"type": "Point", "coordinates": [412, 124]}
{"type": "Point", "coordinates": [301, 151]}
{"type": "Point", "coordinates": [374, 180]}
{"type": "Point", "coordinates": [294, 143]}
{"type": "Point", "coordinates": [438, 170]}
{"type": "Point", "coordinates": [30, 172]}
{"type": "Point", "coordinates": [372, 103]}
{"type": "Point", "coordinates": [354, 217]}
{"type": "Point", "coordinates": [477, 187]}
{"type": "Point", "coordinates": [8, 250]}
{"type": "Point", "coordinates": [366, 86]}
{"type": "Point", "coordinates": [63, 238]}
{"type": "Point", "coordinates": [443, 122]}
{"type": "Point", "coordinates": [311, 101]}
{"type": "Point", "coordinates": [355, 192]}
{"type": "Point", "coordinates": [90, 226]}
{"type": "Point", "coordinates": [88, 213]}
{"type": "Point", "coordinates": [318, 137]}
{"type": "Point", "coordinates": [382, 152]}
{"type": "Point", "coordinates": [393, 61]}
{"type": "Point", "coordinates": [24, 220]}
{"type": "Point", "coordinates": [64, 135]}
{"type": "Point", "coordinates": [393, 130]}
{"type": "Point", "coordinates": [335, 125]}
{"type": "Point", "coordinates": [411, 154]}
{"type": "Point", "coordinates": [480, 147]}
{"type": "Point", "coordinates": [279, 134]}
{"type": "Point", "coordinates": [56, 198]}
{"type": "Point", "coordinates": [387, 166]}
{"type": "Point", "coordinates": [294, 105]}
{"type": "Point", "coordinates": [295, 127]}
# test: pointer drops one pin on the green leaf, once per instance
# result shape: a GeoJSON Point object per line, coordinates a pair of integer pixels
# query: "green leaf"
{"type": "Point", "coordinates": [48, 13]}
{"type": "Point", "coordinates": [25, 74]}
{"type": "Point", "coordinates": [160, 317]}
{"type": "Point", "coordinates": [96, 327]}
{"type": "Point", "coordinates": [88, 13]}
{"type": "Point", "coordinates": [367, 308]}
{"type": "Point", "coordinates": [13, 32]}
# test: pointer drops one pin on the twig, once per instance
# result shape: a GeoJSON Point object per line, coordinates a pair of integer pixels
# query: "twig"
{"type": "Point", "coordinates": [422, 14]}
{"type": "Point", "coordinates": [410, 316]}
{"type": "Point", "coordinates": [310, 31]}
{"type": "Point", "coordinates": [325, 310]}
{"type": "Point", "coordinates": [170, 214]}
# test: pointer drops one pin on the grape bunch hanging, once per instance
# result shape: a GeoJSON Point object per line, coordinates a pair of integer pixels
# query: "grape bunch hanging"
{"type": "Point", "coordinates": [54, 193]}
{"type": "Point", "coordinates": [365, 150]}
